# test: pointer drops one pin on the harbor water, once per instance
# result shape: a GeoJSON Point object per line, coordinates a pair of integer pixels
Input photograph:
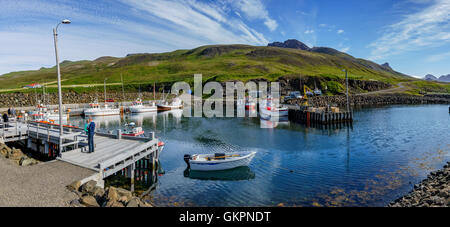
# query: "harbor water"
{"type": "Point", "coordinates": [371, 162]}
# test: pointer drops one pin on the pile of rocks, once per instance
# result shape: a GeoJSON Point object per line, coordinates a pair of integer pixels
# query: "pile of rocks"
{"type": "Point", "coordinates": [432, 192]}
{"type": "Point", "coordinates": [90, 195]}
{"type": "Point", "coordinates": [17, 156]}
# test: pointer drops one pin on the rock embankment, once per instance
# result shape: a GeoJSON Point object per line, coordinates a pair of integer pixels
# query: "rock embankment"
{"type": "Point", "coordinates": [90, 195]}
{"type": "Point", "coordinates": [387, 99]}
{"type": "Point", "coordinates": [17, 155]}
{"type": "Point", "coordinates": [31, 99]}
{"type": "Point", "coordinates": [431, 192]}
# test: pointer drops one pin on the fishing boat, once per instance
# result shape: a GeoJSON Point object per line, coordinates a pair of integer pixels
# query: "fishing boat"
{"type": "Point", "coordinates": [268, 109]}
{"type": "Point", "coordinates": [250, 105]}
{"type": "Point", "coordinates": [218, 161]}
{"type": "Point", "coordinates": [95, 110]}
{"type": "Point", "coordinates": [132, 130]}
{"type": "Point", "coordinates": [175, 104]}
{"type": "Point", "coordinates": [139, 107]}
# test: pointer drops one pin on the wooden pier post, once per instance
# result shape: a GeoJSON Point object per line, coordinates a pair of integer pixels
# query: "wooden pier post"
{"type": "Point", "coordinates": [132, 177]}
{"type": "Point", "coordinates": [119, 134]}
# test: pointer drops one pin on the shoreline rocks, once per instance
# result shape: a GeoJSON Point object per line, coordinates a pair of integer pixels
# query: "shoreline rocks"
{"type": "Point", "coordinates": [17, 156]}
{"type": "Point", "coordinates": [434, 191]}
{"type": "Point", "coordinates": [90, 195]}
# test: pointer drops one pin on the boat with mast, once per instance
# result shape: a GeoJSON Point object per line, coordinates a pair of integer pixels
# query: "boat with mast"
{"type": "Point", "coordinates": [138, 105]}
{"type": "Point", "coordinates": [175, 104]}
{"type": "Point", "coordinates": [95, 109]}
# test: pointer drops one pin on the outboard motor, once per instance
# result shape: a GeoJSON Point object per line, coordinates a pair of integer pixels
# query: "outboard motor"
{"type": "Point", "coordinates": [187, 157]}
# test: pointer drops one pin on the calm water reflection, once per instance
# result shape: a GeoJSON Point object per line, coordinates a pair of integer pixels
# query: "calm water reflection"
{"type": "Point", "coordinates": [373, 161]}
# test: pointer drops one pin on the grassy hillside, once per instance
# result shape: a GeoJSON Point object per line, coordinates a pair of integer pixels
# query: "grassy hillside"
{"type": "Point", "coordinates": [219, 62]}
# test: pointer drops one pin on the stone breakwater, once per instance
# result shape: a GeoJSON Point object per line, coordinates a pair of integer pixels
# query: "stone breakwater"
{"type": "Point", "coordinates": [30, 99]}
{"type": "Point", "coordinates": [386, 99]}
{"type": "Point", "coordinates": [90, 195]}
{"type": "Point", "coordinates": [431, 192]}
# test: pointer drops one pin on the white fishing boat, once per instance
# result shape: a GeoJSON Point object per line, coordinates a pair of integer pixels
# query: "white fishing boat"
{"type": "Point", "coordinates": [268, 109]}
{"type": "Point", "coordinates": [139, 107]}
{"type": "Point", "coordinates": [95, 110]}
{"type": "Point", "coordinates": [218, 161]}
{"type": "Point", "coordinates": [175, 104]}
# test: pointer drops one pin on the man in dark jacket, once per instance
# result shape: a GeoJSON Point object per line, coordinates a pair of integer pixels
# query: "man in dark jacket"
{"type": "Point", "coordinates": [91, 133]}
{"type": "Point", "coordinates": [5, 117]}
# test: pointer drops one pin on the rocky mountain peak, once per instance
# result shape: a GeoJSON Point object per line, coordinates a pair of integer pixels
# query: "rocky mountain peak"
{"type": "Point", "coordinates": [430, 77]}
{"type": "Point", "coordinates": [386, 66]}
{"type": "Point", "coordinates": [290, 43]}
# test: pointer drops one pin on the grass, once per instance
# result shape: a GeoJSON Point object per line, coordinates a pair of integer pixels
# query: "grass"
{"type": "Point", "coordinates": [220, 63]}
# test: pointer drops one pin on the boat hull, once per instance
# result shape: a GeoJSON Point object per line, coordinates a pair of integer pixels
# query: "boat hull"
{"type": "Point", "coordinates": [133, 134]}
{"type": "Point", "coordinates": [269, 113]}
{"type": "Point", "coordinates": [221, 164]}
{"type": "Point", "coordinates": [143, 109]}
{"type": "Point", "coordinates": [166, 107]}
{"type": "Point", "coordinates": [102, 113]}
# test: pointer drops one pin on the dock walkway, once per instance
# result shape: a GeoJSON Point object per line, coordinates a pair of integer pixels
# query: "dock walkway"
{"type": "Point", "coordinates": [113, 153]}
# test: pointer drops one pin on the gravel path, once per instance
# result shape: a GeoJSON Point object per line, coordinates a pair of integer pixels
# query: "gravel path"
{"type": "Point", "coordinates": [400, 88]}
{"type": "Point", "coordinates": [38, 185]}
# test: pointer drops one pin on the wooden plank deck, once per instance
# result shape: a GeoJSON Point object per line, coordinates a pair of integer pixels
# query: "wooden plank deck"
{"type": "Point", "coordinates": [105, 148]}
{"type": "Point", "coordinates": [111, 155]}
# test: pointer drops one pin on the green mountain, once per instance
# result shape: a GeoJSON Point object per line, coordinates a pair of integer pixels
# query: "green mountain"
{"type": "Point", "coordinates": [216, 62]}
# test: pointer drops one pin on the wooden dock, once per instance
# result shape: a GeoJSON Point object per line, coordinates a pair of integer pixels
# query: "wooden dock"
{"type": "Point", "coordinates": [113, 152]}
{"type": "Point", "coordinates": [318, 116]}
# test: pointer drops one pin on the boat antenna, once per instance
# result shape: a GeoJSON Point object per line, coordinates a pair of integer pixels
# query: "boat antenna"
{"type": "Point", "coordinates": [154, 92]}
{"type": "Point", "coordinates": [104, 84]}
{"type": "Point", "coordinates": [123, 91]}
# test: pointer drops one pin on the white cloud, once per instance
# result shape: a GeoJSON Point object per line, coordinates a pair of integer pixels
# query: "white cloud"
{"type": "Point", "coordinates": [345, 49]}
{"type": "Point", "coordinates": [427, 28]}
{"type": "Point", "coordinates": [309, 31]}
{"type": "Point", "coordinates": [255, 9]}
{"type": "Point", "coordinates": [340, 31]}
{"type": "Point", "coordinates": [114, 29]}
{"type": "Point", "coordinates": [207, 21]}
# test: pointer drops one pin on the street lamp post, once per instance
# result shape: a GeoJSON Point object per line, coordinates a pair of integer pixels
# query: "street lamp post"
{"type": "Point", "coordinates": [55, 36]}
{"type": "Point", "coordinates": [346, 83]}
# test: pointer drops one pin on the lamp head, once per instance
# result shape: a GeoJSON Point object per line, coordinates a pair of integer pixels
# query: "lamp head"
{"type": "Point", "coordinates": [65, 21]}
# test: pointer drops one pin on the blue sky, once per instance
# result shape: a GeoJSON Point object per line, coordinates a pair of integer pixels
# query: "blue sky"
{"type": "Point", "coordinates": [412, 35]}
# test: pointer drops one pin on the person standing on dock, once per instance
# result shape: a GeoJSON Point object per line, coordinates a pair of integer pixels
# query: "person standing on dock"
{"type": "Point", "coordinates": [91, 132]}
{"type": "Point", "coordinates": [5, 118]}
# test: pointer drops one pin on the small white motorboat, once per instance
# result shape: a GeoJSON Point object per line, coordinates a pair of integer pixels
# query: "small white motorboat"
{"type": "Point", "coordinates": [218, 161]}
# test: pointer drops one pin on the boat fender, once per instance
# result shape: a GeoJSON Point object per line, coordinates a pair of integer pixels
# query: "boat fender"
{"type": "Point", "coordinates": [187, 158]}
